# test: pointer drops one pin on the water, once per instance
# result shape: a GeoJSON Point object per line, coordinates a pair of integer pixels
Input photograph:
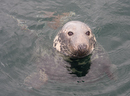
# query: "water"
{"type": "Point", "coordinates": [23, 23]}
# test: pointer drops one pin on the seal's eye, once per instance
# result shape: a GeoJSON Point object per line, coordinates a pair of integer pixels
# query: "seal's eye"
{"type": "Point", "coordinates": [70, 33]}
{"type": "Point", "coordinates": [87, 33]}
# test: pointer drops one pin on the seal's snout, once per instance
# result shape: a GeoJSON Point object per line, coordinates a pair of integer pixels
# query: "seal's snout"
{"type": "Point", "coordinates": [80, 51]}
{"type": "Point", "coordinates": [82, 48]}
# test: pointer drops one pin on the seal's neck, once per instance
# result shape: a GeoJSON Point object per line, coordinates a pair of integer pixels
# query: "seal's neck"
{"type": "Point", "coordinates": [79, 66]}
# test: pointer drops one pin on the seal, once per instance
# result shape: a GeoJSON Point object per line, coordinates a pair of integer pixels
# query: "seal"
{"type": "Point", "coordinates": [75, 40]}
{"type": "Point", "coordinates": [80, 58]}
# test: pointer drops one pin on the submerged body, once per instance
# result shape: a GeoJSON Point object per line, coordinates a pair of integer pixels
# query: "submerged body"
{"type": "Point", "coordinates": [77, 58]}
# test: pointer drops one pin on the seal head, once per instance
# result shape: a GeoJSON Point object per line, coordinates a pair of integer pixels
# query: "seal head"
{"type": "Point", "coordinates": [75, 40]}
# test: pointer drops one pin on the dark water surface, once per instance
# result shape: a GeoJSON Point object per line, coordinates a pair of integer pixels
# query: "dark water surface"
{"type": "Point", "coordinates": [23, 25]}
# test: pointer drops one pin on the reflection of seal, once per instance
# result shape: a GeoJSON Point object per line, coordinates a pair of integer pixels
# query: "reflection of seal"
{"type": "Point", "coordinates": [75, 39]}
